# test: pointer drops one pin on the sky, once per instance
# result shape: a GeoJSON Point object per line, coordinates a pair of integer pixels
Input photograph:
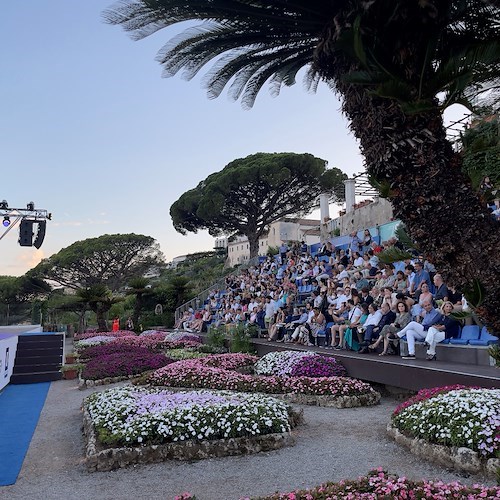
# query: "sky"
{"type": "Point", "coordinates": [91, 132]}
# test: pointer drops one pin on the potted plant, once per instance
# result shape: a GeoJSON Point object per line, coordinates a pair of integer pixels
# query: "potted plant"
{"type": "Point", "coordinates": [70, 371]}
{"type": "Point", "coordinates": [70, 358]}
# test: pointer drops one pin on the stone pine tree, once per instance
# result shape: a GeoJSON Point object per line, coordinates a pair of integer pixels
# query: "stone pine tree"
{"type": "Point", "coordinates": [250, 193]}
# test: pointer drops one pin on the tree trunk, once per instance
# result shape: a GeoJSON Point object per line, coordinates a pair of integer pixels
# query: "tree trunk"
{"type": "Point", "coordinates": [253, 242]}
{"type": "Point", "coordinates": [429, 193]}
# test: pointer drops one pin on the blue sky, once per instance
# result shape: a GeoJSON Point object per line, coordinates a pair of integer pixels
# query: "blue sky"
{"type": "Point", "coordinates": [91, 132]}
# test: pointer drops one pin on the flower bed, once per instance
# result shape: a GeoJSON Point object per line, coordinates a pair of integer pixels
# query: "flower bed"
{"type": "Point", "coordinates": [123, 363]}
{"type": "Point", "coordinates": [181, 354]}
{"type": "Point", "coordinates": [183, 336]}
{"type": "Point", "coordinates": [299, 363]}
{"type": "Point", "coordinates": [326, 391]}
{"type": "Point", "coordinates": [94, 333]}
{"type": "Point", "coordinates": [179, 424]}
{"type": "Point", "coordinates": [452, 426]}
{"type": "Point", "coordinates": [97, 340]}
{"type": "Point", "coordinates": [379, 484]}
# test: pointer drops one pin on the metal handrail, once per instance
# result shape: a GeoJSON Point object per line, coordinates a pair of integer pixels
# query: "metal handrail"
{"type": "Point", "coordinates": [203, 295]}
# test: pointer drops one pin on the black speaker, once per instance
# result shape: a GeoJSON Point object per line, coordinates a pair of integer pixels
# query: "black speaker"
{"type": "Point", "coordinates": [26, 233]}
{"type": "Point", "coordinates": [40, 235]}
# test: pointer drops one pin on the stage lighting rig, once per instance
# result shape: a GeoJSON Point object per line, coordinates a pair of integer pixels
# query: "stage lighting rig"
{"type": "Point", "coordinates": [27, 217]}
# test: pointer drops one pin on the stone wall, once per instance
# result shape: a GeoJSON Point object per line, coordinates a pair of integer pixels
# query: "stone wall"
{"type": "Point", "coordinates": [372, 214]}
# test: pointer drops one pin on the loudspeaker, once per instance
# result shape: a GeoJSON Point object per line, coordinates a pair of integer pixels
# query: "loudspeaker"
{"type": "Point", "coordinates": [26, 233]}
{"type": "Point", "coordinates": [40, 235]}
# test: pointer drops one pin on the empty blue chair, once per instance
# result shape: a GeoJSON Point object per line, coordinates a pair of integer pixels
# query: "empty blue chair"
{"type": "Point", "coordinates": [485, 338]}
{"type": "Point", "coordinates": [469, 332]}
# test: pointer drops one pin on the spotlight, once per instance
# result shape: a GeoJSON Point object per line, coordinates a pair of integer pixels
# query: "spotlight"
{"type": "Point", "coordinates": [30, 206]}
{"type": "Point", "coordinates": [4, 204]}
{"type": "Point", "coordinates": [6, 221]}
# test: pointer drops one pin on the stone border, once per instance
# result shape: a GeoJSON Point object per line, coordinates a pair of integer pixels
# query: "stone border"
{"type": "Point", "coordinates": [86, 383]}
{"type": "Point", "coordinates": [462, 459]}
{"type": "Point", "coordinates": [301, 399]}
{"type": "Point", "coordinates": [330, 401]}
{"type": "Point", "coordinates": [98, 458]}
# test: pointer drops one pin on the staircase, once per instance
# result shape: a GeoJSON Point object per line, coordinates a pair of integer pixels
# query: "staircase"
{"type": "Point", "coordinates": [38, 358]}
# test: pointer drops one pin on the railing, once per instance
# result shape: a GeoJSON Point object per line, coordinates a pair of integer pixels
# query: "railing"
{"type": "Point", "coordinates": [199, 299]}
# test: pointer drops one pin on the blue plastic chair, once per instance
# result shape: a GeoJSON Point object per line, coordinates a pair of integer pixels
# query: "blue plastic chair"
{"type": "Point", "coordinates": [469, 332]}
{"type": "Point", "coordinates": [485, 338]}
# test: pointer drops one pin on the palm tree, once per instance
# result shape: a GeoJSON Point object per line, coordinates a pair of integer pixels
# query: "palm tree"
{"type": "Point", "coordinates": [140, 287]}
{"type": "Point", "coordinates": [395, 64]}
{"type": "Point", "coordinates": [100, 300]}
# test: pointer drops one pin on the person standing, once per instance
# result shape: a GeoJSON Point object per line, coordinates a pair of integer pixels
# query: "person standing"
{"type": "Point", "coordinates": [116, 325]}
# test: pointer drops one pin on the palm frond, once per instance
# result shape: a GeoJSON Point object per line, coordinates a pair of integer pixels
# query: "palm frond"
{"type": "Point", "coordinates": [393, 254]}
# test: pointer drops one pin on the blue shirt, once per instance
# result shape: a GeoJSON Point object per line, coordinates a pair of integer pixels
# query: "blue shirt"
{"type": "Point", "coordinates": [431, 318]}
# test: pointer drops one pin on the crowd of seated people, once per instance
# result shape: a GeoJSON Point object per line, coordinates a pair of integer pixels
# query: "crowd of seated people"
{"type": "Point", "coordinates": [355, 302]}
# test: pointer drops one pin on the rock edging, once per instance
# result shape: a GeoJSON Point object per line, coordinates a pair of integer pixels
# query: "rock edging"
{"type": "Point", "coordinates": [370, 399]}
{"type": "Point", "coordinates": [460, 458]}
{"type": "Point", "coordinates": [98, 458]}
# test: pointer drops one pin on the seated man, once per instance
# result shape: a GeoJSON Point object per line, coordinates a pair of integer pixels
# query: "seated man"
{"type": "Point", "coordinates": [418, 331]}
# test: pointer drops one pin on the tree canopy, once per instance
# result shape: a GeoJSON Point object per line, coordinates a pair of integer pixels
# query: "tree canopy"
{"type": "Point", "coordinates": [110, 260]}
{"type": "Point", "coordinates": [252, 192]}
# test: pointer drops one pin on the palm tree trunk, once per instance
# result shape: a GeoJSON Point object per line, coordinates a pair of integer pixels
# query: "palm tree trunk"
{"type": "Point", "coordinates": [429, 192]}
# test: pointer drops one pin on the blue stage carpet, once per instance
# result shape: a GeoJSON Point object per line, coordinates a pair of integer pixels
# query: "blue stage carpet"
{"type": "Point", "coordinates": [20, 407]}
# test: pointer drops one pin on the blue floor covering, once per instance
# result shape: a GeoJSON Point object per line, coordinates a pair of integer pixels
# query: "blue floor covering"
{"type": "Point", "coordinates": [20, 407]}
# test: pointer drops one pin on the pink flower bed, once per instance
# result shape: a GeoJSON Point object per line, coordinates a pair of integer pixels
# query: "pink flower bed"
{"type": "Point", "coordinates": [379, 484]}
{"type": "Point", "coordinates": [90, 334]}
{"type": "Point", "coordinates": [151, 342]}
{"type": "Point", "coordinates": [197, 373]}
{"type": "Point", "coordinates": [182, 343]}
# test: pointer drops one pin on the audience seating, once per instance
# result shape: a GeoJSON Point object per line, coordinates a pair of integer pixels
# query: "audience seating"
{"type": "Point", "coordinates": [468, 333]}
{"type": "Point", "coordinates": [485, 338]}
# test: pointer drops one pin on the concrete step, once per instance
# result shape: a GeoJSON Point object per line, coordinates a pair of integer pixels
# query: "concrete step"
{"type": "Point", "coordinates": [32, 378]}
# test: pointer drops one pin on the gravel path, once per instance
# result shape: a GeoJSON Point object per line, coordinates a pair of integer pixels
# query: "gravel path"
{"type": "Point", "coordinates": [332, 445]}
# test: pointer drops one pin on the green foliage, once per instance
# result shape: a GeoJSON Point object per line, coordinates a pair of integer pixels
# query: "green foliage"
{"type": "Point", "coordinates": [474, 293]}
{"type": "Point", "coordinates": [240, 340]}
{"type": "Point", "coordinates": [494, 352]}
{"type": "Point", "coordinates": [272, 251]}
{"type": "Point", "coordinates": [209, 349]}
{"type": "Point", "coordinates": [216, 336]}
{"type": "Point", "coordinates": [393, 254]}
{"type": "Point", "coordinates": [409, 52]}
{"type": "Point", "coordinates": [111, 260]}
{"type": "Point", "coordinates": [250, 193]}
{"type": "Point", "coordinates": [480, 148]}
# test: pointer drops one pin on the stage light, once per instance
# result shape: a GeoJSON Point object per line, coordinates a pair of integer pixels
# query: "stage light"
{"type": "Point", "coordinates": [6, 221]}
{"type": "Point", "coordinates": [4, 204]}
{"type": "Point", "coordinates": [30, 206]}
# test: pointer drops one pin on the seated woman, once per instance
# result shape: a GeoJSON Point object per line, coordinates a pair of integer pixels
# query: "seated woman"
{"type": "Point", "coordinates": [388, 333]}
{"type": "Point", "coordinates": [353, 316]}
{"type": "Point", "coordinates": [351, 334]}
{"type": "Point", "coordinates": [448, 328]}
{"type": "Point", "coordinates": [279, 322]}
{"type": "Point", "coordinates": [417, 311]}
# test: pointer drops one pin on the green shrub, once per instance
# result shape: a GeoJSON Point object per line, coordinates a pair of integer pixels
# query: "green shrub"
{"type": "Point", "coordinates": [216, 336]}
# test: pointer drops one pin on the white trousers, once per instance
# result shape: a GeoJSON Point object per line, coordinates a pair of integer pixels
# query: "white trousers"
{"type": "Point", "coordinates": [413, 331]}
{"type": "Point", "coordinates": [434, 336]}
